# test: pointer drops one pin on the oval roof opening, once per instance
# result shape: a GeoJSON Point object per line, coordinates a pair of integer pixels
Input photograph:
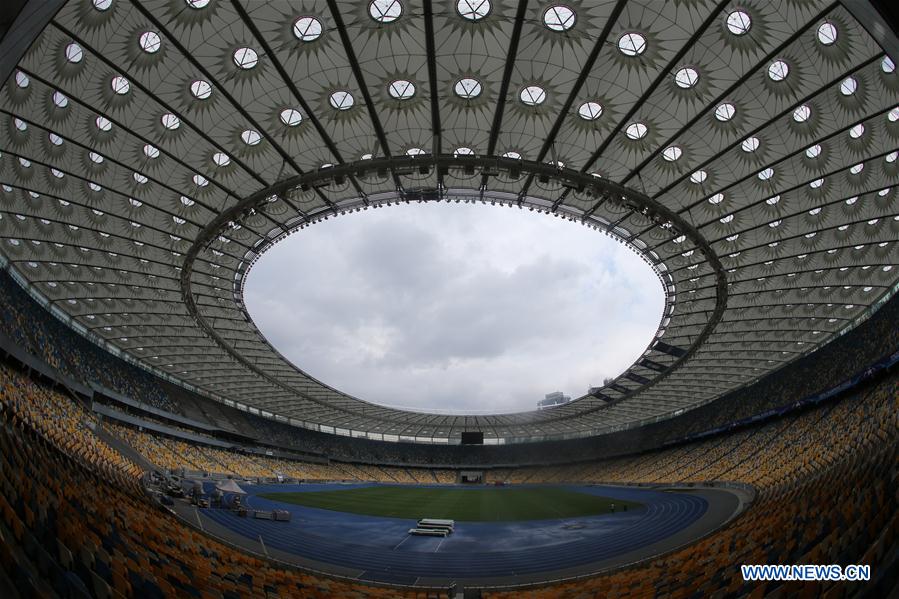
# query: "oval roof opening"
{"type": "Point", "coordinates": [455, 308]}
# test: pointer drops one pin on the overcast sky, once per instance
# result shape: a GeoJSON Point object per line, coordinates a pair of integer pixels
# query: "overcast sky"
{"type": "Point", "coordinates": [454, 306]}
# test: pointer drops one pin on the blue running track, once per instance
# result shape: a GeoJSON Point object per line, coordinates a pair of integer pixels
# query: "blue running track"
{"type": "Point", "coordinates": [384, 550]}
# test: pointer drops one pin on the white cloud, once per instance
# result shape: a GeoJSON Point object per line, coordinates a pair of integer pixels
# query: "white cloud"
{"type": "Point", "coordinates": [455, 307]}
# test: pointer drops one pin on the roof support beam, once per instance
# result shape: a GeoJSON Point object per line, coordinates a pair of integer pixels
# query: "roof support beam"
{"type": "Point", "coordinates": [167, 107]}
{"type": "Point", "coordinates": [74, 98]}
{"type": "Point", "coordinates": [238, 107]}
{"type": "Point", "coordinates": [288, 81]}
{"type": "Point", "coordinates": [24, 29]}
{"type": "Point", "coordinates": [360, 81]}
{"type": "Point", "coordinates": [763, 126]}
{"type": "Point", "coordinates": [730, 90]}
{"type": "Point", "coordinates": [664, 74]}
{"type": "Point", "coordinates": [507, 76]}
{"type": "Point", "coordinates": [437, 143]}
{"type": "Point", "coordinates": [585, 69]}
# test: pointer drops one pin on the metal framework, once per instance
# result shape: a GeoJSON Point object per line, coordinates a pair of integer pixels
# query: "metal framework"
{"type": "Point", "coordinates": [152, 150]}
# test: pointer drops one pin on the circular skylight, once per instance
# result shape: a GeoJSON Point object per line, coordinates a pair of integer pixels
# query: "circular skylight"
{"type": "Point", "coordinates": [221, 159]}
{"type": "Point", "coordinates": [827, 33]}
{"type": "Point", "coordinates": [632, 44]}
{"type": "Point", "coordinates": [856, 131]}
{"type": "Point", "coordinates": [893, 115]}
{"type": "Point", "coordinates": [385, 11]}
{"type": "Point", "coordinates": [725, 112]}
{"type": "Point", "coordinates": [813, 151]}
{"type": "Point", "coordinates": [473, 10]}
{"type": "Point", "coordinates": [96, 158]}
{"type": "Point", "coordinates": [341, 100]}
{"type": "Point", "coordinates": [802, 114]}
{"type": "Point", "coordinates": [197, 4]}
{"type": "Point", "coordinates": [291, 117]}
{"type": "Point", "coordinates": [102, 5]}
{"type": "Point", "coordinates": [246, 58]}
{"type": "Point", "coordinates": [590, 111]}
{"type": "Point", "coordinates": [307, 29]}
{"type": "Point", "coordinates": [120, 85]}
{"type": "Point", "coordinates": [201, 89]}
{"type": "Point", "coordinates": [778, 70]}
{"type": "Point", "coordinates": [848, 86]}
{"type": "Point", "coordinates": [60, 99]}
{"type": "Point", "coordinates": [170, 121]}
{"type": "Point", "coordinates": [468, 88]}
{"type": "Point", "coordinates": [55, 139]}
{"type": "Point", "coordinates": [401, 89]}
{"type": "Point", "coordinates": [698, 177]}
{"type": "Point", "coordinates": [717, 198]}
{"type": "Point", "coordinates": [857, 169]}
{"type": "Point", "coordinates": [103, 123]}
{"type": "Point", "coordinates": [463, 152]}
{"type": "Point", "coordinates": [74, 53]}
{"type": "Point", "coordinates": [151, 151]}
{"type": "Point", "coordinates": [672, 153]}
{"type": "Point", "coordinates": [512, 154]}
{"type": "Point", "coordinates": [415, 152]}
{"type": "Point", "coordinates": [887, 65]}
{"type": "Point", "coordinates": [22, 79]}
{"type": "Point", "coordinates": [251, 137]}
{"type": "Point", "coordinates": [150, 42]}
{"type": "Point", "coordinates": [636, 130]}
{"type": "Point", "coordinates": [766, 174]}
{"type": "Point", "coordinates": [559, 18]}
{"type": "Point", "coordinates": [686, 77]}
{"type": "Point", "coordinates": [532, 95]}
{"type": "Point", "coordinates": [750, 144]}
{"type": "Point", "coordinates": [738, 22]}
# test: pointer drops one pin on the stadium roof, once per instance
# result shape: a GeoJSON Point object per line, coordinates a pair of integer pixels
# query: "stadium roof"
{"type": "Point", "coordinates": [152, 150]}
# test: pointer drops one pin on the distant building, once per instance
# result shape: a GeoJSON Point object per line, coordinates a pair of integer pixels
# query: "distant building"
{"type": "Point", "coordinates": [556, 398]}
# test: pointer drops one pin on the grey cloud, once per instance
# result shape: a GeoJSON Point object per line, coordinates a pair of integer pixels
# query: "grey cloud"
{"type": "Point", "coordinates": [455, 307]}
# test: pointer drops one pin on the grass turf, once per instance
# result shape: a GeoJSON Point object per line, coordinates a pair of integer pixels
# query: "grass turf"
{"type": "Point", "coordinates": [480, 504]}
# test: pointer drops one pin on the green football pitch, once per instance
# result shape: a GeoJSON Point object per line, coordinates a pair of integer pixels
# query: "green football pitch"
{"type": "Point", "coordinates": [479, 504]}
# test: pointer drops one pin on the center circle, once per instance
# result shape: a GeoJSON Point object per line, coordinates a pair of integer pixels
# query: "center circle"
{"type": "Point", "coordinates": [455, 308]}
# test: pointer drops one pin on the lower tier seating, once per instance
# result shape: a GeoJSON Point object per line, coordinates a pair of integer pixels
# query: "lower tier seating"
{"type": "Point", "coordinates": [74, 521]}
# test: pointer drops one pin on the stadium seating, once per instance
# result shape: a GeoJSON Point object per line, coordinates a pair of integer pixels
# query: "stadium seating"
{"type": "Point", "coordinates": [826, 479]}
{"type": "Point", "coordinates": [826, 475]}
{"type": "Point", "coordinates": [33, 329]}
{"type": "Point", "coordinates": [75, 521]}
{"type": "Point", "coordinates": [836, 461]}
